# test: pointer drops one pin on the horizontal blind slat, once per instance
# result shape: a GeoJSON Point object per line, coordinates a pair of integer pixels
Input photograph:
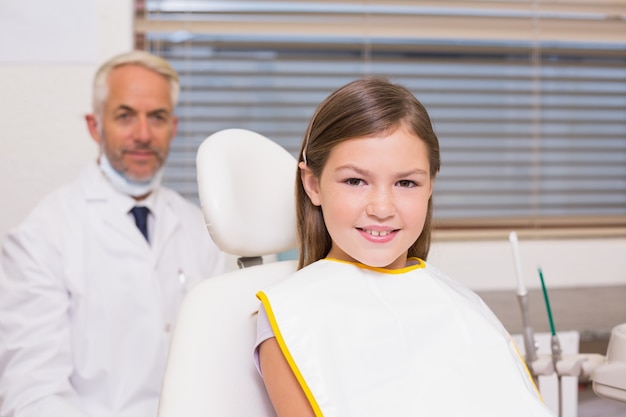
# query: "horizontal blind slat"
{"type": "Point", "coordinates": [518, 140]}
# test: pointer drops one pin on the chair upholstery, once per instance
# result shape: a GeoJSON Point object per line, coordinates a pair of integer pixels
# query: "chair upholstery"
{"type": "Point", "coordinates": [246, 185]}
{"type": "Point", "coordinates": [609, 379]}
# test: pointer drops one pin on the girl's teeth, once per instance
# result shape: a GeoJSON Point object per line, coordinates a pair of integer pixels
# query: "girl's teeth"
{"type": "Point", "coordinates": [378, 233]}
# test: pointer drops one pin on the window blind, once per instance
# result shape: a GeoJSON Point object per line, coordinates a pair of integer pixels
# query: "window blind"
{"type": "Point", "coordinates": [531, 114]}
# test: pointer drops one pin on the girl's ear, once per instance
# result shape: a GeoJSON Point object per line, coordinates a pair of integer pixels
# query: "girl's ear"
{"type": "Point", "coordinates": [310, 183]}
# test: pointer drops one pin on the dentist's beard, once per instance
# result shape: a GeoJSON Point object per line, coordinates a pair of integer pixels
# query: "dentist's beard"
{"type": "Point", "coordinates": [126, 185]}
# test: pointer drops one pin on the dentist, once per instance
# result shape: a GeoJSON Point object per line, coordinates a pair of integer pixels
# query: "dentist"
{"type": "Point", "coordinates": [91, 289]}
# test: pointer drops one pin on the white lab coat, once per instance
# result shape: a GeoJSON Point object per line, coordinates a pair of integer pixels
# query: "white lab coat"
{"type": "Point", "coordinates": [87, 305]}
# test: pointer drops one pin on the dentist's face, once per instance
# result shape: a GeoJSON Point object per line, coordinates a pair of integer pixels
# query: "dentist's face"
{"type": "Point", "coordinates": [137, 123]}
{"type": "Point", "coordinates": [374, 193]}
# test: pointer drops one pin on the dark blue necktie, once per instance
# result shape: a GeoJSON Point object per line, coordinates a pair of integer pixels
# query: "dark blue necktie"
{"type": "Point", "coordinates": [141, 219]}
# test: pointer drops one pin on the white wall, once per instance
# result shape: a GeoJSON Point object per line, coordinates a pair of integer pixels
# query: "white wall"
{"type": "Point", "coordinates": [489, 265]}
{"type": "Point", "coordinates": [43, 140]}
{"type": "Point", "coordinates": [44, 143]}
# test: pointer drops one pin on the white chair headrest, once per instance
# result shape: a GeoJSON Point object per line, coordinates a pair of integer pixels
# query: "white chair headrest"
{"type": "Point", "coordinates": [246, 186]}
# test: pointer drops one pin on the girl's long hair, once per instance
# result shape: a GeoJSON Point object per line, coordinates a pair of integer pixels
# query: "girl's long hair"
{"type": "Point", "coordinates": [362, 108]}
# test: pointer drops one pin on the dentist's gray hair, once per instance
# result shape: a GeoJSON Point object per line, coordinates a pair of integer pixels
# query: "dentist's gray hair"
{"type": "Point", "coordinates": [141, 58]}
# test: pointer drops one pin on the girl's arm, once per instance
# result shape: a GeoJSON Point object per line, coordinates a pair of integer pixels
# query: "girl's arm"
{"type": "Point", "coordinates": [285, 392]}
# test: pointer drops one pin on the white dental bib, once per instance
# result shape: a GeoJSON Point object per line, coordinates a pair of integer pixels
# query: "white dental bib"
{"type": "Point", "coordinates": [411, 342]}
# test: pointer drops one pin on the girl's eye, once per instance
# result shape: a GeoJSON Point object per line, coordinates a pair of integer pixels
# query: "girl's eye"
{"type": "Point", "coordinates": [406, 183]}
{"type": "Point", "coordinates": [354, 181]}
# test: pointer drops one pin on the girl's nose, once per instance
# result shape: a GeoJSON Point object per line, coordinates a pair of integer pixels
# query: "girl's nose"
{"type": "Point", "coordinates": [380, 204]}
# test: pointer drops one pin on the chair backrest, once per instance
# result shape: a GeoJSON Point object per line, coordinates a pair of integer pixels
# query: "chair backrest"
{"type": "Point", "coordinates": [246, 187]}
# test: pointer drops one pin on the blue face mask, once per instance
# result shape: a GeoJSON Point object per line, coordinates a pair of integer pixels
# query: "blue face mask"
{"type": "Point", "coordinates": [126, 185]}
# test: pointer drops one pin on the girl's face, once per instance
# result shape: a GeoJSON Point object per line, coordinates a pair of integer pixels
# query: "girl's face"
{"type": "Point", "coordinates": [373, 192]}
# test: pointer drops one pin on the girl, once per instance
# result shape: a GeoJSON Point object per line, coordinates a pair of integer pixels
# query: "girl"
{"type": "Point", "coordinates": [366, 327]}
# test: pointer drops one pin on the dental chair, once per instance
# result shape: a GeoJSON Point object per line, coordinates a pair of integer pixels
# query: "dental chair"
{"type": "Point", "coordinates": [246, 188]}
{"type": "Point", "coordinates": [609, 379]}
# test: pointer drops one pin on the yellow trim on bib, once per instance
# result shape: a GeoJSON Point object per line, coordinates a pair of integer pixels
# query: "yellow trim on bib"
{"type": "Point", "coordinates": [419, 264]}
{"type": "Point", "coordinates": [283, 347]}
{"type": "Point", "coordinates": [532, 380]}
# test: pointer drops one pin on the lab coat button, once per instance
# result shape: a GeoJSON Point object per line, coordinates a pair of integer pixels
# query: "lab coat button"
{"type": "Point", "coordinates": [167, 327]}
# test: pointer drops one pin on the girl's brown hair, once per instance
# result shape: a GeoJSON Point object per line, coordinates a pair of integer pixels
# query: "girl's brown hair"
{"type": "Point", "coordinates": [361, 108]}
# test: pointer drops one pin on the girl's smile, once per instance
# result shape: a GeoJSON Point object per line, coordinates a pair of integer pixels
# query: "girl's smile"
{"type": "Point", "coordinates": [377, 236]}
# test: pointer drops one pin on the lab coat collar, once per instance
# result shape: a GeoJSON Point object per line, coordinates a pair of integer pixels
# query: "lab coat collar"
{"type": "Point", "coordinates": [97, 189]}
